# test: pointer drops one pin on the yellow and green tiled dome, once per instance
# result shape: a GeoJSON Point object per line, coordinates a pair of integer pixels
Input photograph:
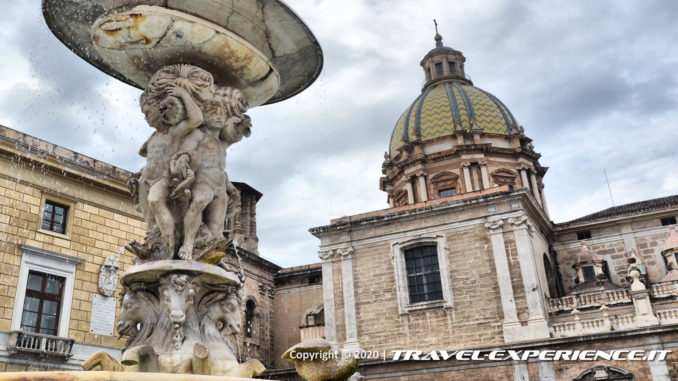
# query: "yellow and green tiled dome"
{"type": "Point", "coordinates": [447, 106]}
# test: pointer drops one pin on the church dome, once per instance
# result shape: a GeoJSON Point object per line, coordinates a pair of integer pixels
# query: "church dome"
{"type": "Point", "coordinates": [448, 105]}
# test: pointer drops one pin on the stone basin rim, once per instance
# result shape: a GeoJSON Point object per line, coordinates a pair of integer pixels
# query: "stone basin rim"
{"type": "Point", "coordinates": [110, 376]}
{"type": "Point", "coordinates": [298, 70]}
{"type": "Point", "coordinates": [177, 266]}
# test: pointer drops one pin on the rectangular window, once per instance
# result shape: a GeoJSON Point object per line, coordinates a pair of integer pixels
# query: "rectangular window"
{"type": "Point", "coordinates": [54, 217]}
{"type": "Point", "coordinates": [584, 235]}
{"type": "Point", "coordinates": [589, 273]}
{"type": "Point", "coordinates": [452, 68]}
{"type": "Point", "coordinates": [439, 68]}
{"type": "Point", "coordinates": [447, 192]}
{"type": "Point", "coordinates": [42, 303]}
{"type": "Point", "coordinates": [423, 274]}
{"type": "Point", "coordinates": [668, 221]}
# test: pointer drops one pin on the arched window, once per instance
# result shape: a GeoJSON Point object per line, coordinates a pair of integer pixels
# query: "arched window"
{"type": "Point", "coordinates": [249, 318]}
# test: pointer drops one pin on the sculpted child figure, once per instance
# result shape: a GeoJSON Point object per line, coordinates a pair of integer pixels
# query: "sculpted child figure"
{"type": "Point", "coordinates": [205, 154]}
{"type": "Point", "coordinates": [174, 118]}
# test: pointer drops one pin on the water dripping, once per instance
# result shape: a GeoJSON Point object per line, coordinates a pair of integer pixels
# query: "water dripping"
{"type": "Point", "coordinates": [241, 276]}
{"type": "Point", "coordinates": [238, 347]}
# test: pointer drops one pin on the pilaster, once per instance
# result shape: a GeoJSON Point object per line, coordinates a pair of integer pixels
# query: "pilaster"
{"type": "Point", "coordinates": [485, 178]}
{"type": "Point", "coordinates": [410, 193]}
{"type": "Point", "coordinates": [535, 188]}
{"type": "Point", "coordinates": [467, 177]}
{"type": "Point", "coordinates": [346, 255]}
{"type": "Point", "coordinates": [523, 177]}
{"type": "Point", "coordinates": [422, 187]}
{"type": "Point", "coordinates": [328, 295]}
{"type": "Point", "coordinates": [537, 324]}
{"type": "Point", "coordinates": [511, 325]}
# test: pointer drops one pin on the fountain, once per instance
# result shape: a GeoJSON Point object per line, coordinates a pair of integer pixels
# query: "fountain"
{"type": "Point", "coordinates": [201, 65]}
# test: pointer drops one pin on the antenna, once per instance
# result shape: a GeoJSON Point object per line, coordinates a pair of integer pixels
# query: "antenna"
{"type": "Point", "coordinates": [608, 186]}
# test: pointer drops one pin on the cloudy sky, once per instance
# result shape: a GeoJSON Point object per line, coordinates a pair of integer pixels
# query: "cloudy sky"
{"type": "Point", "coordinates": [594, 83]}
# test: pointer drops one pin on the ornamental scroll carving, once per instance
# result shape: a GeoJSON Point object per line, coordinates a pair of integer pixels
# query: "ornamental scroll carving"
{"type": "Point", "coordinates": [521, 222]}
{"type": "Point", "coordinates": [343, 253]}
{"type": "Point", "coordinates": [495, 225]}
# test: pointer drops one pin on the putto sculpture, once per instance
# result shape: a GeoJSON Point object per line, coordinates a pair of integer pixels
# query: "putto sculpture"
{"type": "Point", "coordinates": [179, 311]}
{"type": "Point", "coordinates": [201, 65]}
{"type": "Point", "coordinates": [183, 189]}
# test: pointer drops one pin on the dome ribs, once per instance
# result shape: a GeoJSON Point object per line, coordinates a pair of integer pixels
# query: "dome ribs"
{"type": "Point", "coordinates": [467, 102]}
{"type": "Point", "coordinates": [456, 119]}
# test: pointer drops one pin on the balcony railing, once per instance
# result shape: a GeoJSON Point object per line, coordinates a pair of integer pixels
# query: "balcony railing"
{"type": "Point", "coordinates": [592, 299]}
{"type": "Point", "coordinates": [591, 326]}
{"type": "Point", "coordinates": [664, 290]}
{"type": "Point", "coordinates": [40, 345]}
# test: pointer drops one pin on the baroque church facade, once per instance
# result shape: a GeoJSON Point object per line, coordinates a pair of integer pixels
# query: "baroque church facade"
{"type": "Point", "coordinates": [465, 257]}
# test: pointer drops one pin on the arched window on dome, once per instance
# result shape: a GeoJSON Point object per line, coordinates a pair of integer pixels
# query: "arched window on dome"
{"type": "Point", "coordinates": [504, 177]}
{"type": "Point", "coordinates": [445, 184]}
{"type": "Point", "coordinates": [400, 198]}
{"type": "Point", "coordinates": [439, 69]}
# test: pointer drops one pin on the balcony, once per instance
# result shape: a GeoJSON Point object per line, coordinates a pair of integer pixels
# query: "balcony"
{"type": "Point", "coordinates": [613, 310]}
{"type": "Point", "coordinates": [593, 299]}
{"type": "Point", "coordinates": [40, 345]}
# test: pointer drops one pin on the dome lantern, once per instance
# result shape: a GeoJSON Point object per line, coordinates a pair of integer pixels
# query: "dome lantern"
{"type": "Point", "coordinates": [456, 140]}
{"type": "Point", "coordinates": [443, 63]}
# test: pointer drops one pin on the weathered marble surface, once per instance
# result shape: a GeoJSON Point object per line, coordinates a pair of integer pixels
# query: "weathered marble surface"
{"type": "Point", "coordinates": [178, 316]}
{"type": "Point", "coordinates": [318, 360]}
{"type": "Point", "coordinates": [108, 376]}
{"type": "Point", "coordinates": [183, 191]}
{"type": "Point", "coordinates": [269, 27]}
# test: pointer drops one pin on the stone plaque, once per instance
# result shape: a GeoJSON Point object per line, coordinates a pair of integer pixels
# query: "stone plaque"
{"type": "Point", "coordinates": [102, 317]}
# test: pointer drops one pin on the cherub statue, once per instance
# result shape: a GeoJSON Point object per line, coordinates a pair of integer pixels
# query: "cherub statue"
{"type": "Point", "coordinates": [174, 117]}
{"type": "Point", "coordinates": [203, 156]}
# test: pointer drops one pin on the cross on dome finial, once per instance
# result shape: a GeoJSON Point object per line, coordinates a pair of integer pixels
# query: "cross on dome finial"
{"type": "Point", "coordinates": [438, 38]}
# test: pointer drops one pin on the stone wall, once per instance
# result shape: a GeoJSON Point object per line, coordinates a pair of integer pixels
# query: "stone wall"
{"type": "Point", "coordinates": [259, 288]}
{"type": "Point", "coordinates": [101, 218]}
{"type": "Point", "coordinates": [471, 318]}
{"type": "Point", "coordinates": [615, 242]}
{"type": "Point", "coordinates": [296, 294]}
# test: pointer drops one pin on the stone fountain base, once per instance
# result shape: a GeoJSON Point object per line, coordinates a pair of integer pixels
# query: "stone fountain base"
{"type": "Point", "coordinates": [109, 376]}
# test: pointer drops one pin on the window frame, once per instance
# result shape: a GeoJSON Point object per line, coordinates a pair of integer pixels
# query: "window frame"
{"type": "Point", "coordinates": [48, 262]}
{"type": "Point", "coordinates": [402, 288]}
{"type": "Point", "coordinates": [592, 271]}
{"type": "Point", "coordinates": [44, 296]}
{"type": "Point", "coordinates": [418, 255]}
{"type": "Point", "coordinates": [68, 219]}
{"type": "Point", "coordinates": [53, 224]}
{"type": "Point", "coordinates": [441, 191]}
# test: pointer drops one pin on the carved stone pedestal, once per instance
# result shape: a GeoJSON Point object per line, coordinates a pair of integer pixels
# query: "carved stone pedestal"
{"type": "Point", "coordinates": [179, 316]}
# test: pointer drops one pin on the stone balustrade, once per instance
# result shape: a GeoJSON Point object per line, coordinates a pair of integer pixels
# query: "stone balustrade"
{"type": "Point", "coordinates": [588, 300]}
{"type": "Point", "coordinates": [668, 316]}
{"type": "Point", "coordinates": [664, 289]}
{"type": "Point", "coordinates": [596, 325]}
{"type": "Point", "coordinates": [40, 344]}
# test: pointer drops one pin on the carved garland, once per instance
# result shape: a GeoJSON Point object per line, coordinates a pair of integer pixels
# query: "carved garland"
{"type": "Point", "coordinates": [341, 253]}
